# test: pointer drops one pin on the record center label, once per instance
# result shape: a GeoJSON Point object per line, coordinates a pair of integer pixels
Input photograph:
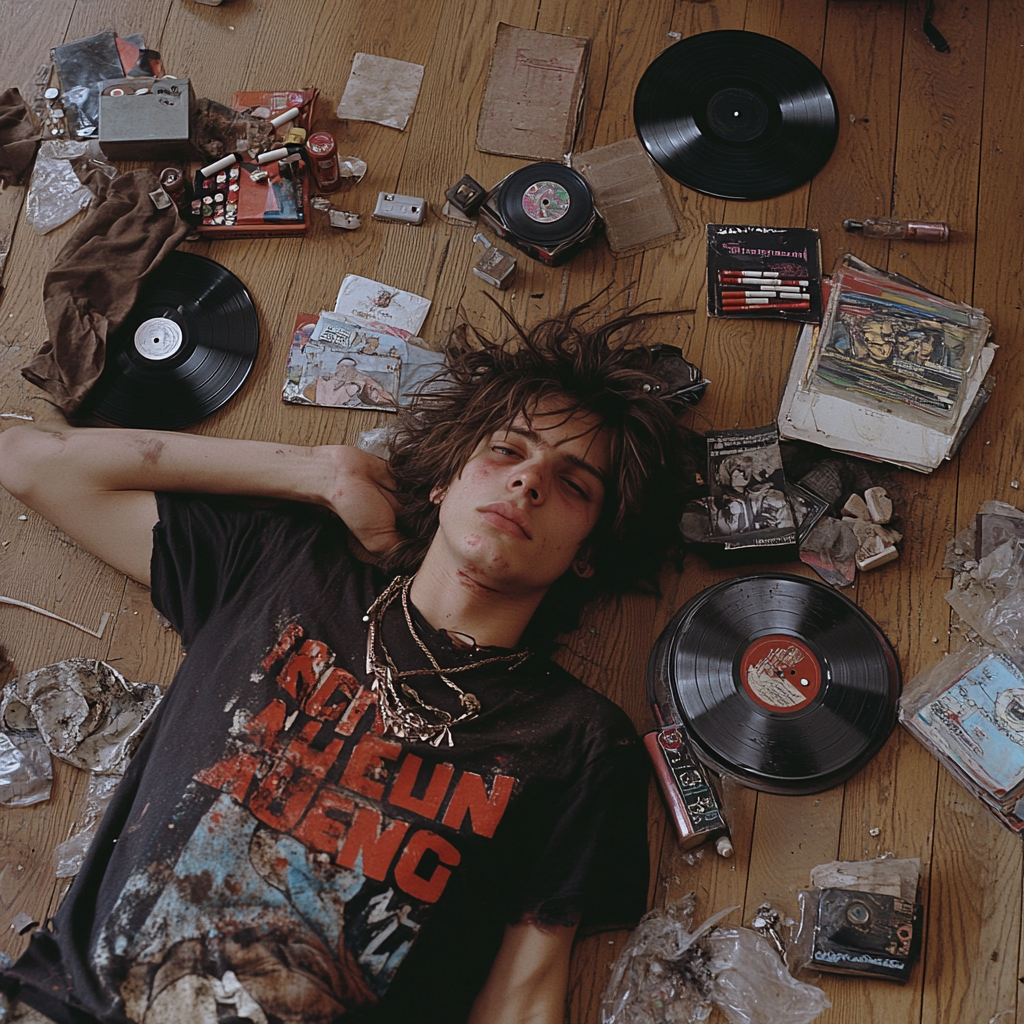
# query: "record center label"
{"type": "Point", "coordinates": [545, 201]}
{"type": "Point", "coordinates": [780, 673]}
{"type": "Point", "coordinates": [158, 338]}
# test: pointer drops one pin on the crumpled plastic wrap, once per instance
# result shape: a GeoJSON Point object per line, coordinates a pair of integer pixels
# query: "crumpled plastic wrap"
{"type": "Point", "coordinates": [661, 975]}
{"type": "Point", "coordinates": [86, 712]}
{"type": "Point", "coordinates": [989, 597]}
{"type": "Point", "coordinates": [56, 192]}
{"type": "Point", "coordinates": [751, 984]}
{"type": "Point", "coordinates": [668, 974]}
{"type": "Point", "coordinates": [69, 856]}
{"type": "Point", "coordinates": [26, 771]}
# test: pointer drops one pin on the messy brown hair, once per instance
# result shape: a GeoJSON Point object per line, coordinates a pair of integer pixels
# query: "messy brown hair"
{"type": "Point", "coordinates": [586, 368]}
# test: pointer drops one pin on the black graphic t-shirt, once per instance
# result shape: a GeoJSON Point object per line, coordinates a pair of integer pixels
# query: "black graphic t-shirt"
{"type": "Point", "coordinates": [272, 856]}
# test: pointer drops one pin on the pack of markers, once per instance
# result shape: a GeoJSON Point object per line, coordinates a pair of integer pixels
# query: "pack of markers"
{"type": "Point", "coordinates": [770, 272]}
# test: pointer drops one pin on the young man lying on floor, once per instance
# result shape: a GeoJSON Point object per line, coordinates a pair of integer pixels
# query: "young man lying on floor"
{"type": "Point", "coordinates": [368, 793]}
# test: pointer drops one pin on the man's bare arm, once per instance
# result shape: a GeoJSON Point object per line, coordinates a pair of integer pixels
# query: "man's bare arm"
{"type": "Point", "coordinates": [97, 484]}
{"type": "Point", "coordinates": [529, 979]}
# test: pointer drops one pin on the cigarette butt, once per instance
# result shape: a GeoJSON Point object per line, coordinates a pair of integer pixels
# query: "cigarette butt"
{"type": "Point", "coordinates": [271, 155]}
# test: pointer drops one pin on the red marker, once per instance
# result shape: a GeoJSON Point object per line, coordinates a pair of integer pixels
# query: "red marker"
{"type": "Point", "coordinates": [738, 306]}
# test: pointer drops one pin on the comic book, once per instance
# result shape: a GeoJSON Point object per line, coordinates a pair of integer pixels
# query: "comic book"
{"type": "Point", "coordinates": [749, 508]}
{"type": "Point", "coordinates": [891, 342]}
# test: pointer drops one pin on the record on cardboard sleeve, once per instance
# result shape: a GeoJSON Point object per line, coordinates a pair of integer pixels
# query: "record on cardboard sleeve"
{"type": "Point", "coordinates": [736, 115]}
{"type": "Point", "coordinates": [546, 204]}
{"type": "Point", "coordinates": [185, 348]}
{"type": "Point", "coordinates": [778, 680]}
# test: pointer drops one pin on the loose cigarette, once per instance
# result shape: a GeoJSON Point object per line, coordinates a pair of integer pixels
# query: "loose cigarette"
{"type": "Point", "coordinates": [288, 115]}
{"type": "Point", "coordinates": [219, 165]}
{"type": "Point", "coordinates": [271, 155]}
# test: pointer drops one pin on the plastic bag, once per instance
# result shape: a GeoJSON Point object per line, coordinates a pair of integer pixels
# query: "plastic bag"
{"type": "Point", "coordinates": [69, 856]}
{"type": "Point", "coordinates": [661, 975]}
{"type": "Point", "coordinates": [751, 984]}
{"type": "Point", "coordinates": [55, 193]}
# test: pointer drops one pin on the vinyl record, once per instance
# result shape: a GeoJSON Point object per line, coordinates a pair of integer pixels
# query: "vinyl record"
{"type": "Point", "coordinates": [546, 204]}
{"type": "Point", "coordinates": [736, 115]}
{"type": "Point", "coordinates": [185, 348]}
{"type": "Point", "coordinates": [778, 680]}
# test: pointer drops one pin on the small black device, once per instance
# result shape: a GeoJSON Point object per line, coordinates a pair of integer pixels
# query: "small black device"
{"type": "Point", "coordinates": [867, 933]}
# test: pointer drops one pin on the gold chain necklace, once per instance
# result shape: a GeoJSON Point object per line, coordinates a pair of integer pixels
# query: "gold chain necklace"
{"type": "Point", "coordinates": [405, 718]}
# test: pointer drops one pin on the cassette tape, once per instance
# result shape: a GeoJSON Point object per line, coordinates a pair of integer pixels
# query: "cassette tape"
{"type": "Point", "coordinates": [866, 933]}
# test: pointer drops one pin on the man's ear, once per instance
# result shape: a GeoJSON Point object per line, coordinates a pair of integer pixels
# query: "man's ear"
{"type": "Point", "coordinates": [438, 494]}
{"type": "Point", "coordinates": [582, 565]}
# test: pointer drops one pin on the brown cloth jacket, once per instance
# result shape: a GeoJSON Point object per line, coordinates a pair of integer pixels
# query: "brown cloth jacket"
{"type": "Point", "coordinates": [94, 282]}
{"type": "Point", "coordinates": [18, 138]}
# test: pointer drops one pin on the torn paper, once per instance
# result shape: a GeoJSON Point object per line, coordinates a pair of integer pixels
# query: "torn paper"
{"type": "Point", "coordinates": [382, 90]}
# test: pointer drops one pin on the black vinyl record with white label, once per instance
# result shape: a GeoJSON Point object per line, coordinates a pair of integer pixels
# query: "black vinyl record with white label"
{"type": "Point", "coordinates": [736, 115]}
{"type": "Point", "coordinates": [546, 204]}
{"type": "Point", "coordinates": [185, 348]}
{"type": "Point", "coordinates": [778, 680]}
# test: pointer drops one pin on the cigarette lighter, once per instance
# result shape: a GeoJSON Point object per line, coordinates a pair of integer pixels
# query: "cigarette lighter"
{"type": "Point", "coordinates": [687, 789]}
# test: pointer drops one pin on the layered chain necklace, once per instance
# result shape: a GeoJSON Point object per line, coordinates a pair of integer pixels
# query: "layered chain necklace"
{"type": "Point", "coordinates": [403, 711]}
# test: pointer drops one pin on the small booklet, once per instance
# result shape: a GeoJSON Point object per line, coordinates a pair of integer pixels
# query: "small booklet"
{"type": "Point", "coordinates": [764, 272]}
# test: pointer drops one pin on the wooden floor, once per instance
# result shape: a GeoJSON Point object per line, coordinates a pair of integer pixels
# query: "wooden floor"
{"type": "Point", "coordinates": [922, 134]}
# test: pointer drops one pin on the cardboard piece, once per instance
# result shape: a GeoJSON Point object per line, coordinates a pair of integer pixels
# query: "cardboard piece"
{"type": "Point", "coordinates": [629, 196]}
{"type": "Point", "coordinates": [534, 94]}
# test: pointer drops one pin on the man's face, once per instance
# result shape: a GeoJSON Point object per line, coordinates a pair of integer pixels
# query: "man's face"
{"type": "Point", "coordinates": [528, 498]}
{"type": "Point", "coordinates": [878, 337]}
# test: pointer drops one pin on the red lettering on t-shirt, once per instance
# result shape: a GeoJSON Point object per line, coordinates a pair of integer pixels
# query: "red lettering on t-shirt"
{"type": "Point", "coordinates": [282, 796]}
{"type": "Point", "coordinates": [305, 755]}
{"type": "Point", "coordinates": [369, 755]}
{"type": "Point", "coordinates": [284, 643]}
{"type": "Point", "coordinates": [418, 887]}
{"type": "Point", "coordinates": [363, 700]}
{"type": "Point", "coordinates": [471, 797]}
{"type": "Point", "coordinates": [265, 728]}
{"type": "Point", "coordinates": [430, 802]}
{"type": "Point", "coordinates": [303, 669]}
{"type": "Point", "coordinates": [233, 775]}
{"type": "Point", "coordinates": [377, 845]}
{"type": "Point", "coordinates": [331, 696]}
{"type": "Point", "coordinates": [326, 821]}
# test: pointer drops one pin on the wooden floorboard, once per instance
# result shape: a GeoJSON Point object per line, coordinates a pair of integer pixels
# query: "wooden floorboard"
{"type": "Point", "coordinates": [922, 135]}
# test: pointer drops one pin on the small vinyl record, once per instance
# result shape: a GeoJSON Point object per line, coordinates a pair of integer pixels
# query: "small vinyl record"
{"type": "Point", "coordinates": [736, 115]}
{"type": "Point", "coordinates": [185, 348]}
{"type": "Point", "coordinates": [546, 204]}
{"type": "Point", "coordinates": [778, 680]}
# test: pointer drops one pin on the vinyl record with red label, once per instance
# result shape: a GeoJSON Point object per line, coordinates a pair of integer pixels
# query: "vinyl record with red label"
{"type": "Point", "coordinates": [777, 680]}
{"type": "Point", "coordinates": [736, 115]}
{"type": "Point", "coordinates": [185, 348]}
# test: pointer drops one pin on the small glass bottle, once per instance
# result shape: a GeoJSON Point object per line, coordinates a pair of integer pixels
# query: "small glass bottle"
{"type": "Point", "coordinates": [880, 227]}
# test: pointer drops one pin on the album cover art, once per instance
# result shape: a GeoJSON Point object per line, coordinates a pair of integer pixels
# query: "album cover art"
{"type": "Point", "coordinates": [336, 364]}
{"type": "Point", "coordinates": [749, 506]}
